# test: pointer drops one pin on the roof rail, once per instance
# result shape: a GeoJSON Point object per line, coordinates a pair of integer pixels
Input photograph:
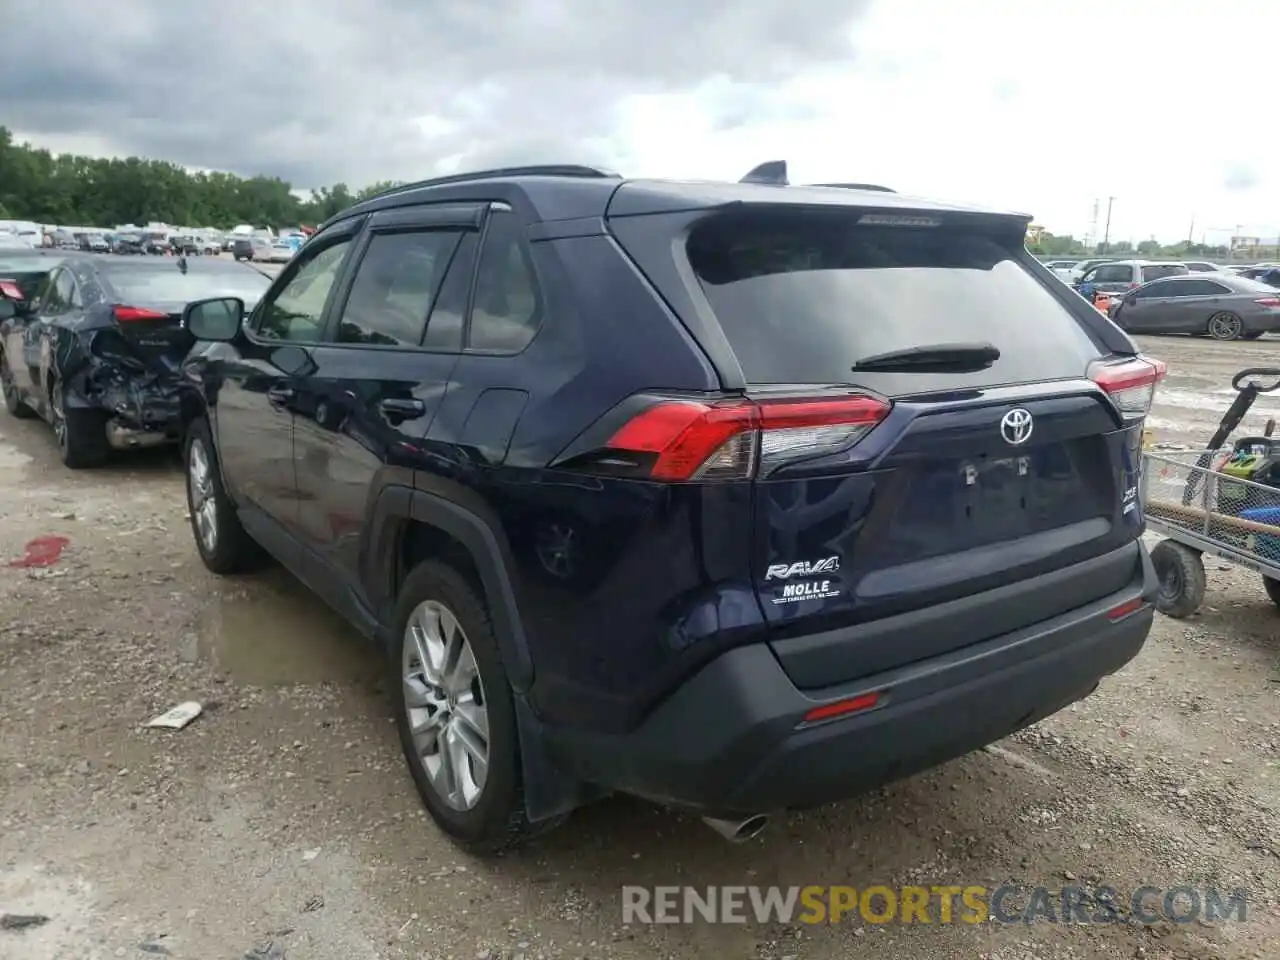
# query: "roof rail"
{"type": "Point", "coordinates": [536, 170]}
{"type": "Point", "coordinates": [858, 186]}
{"type": "Point", "coordinates": [771, 172]}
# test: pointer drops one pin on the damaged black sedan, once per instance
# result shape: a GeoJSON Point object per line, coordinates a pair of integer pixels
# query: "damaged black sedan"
{"type": "Point", "coordinates": [93, 344]}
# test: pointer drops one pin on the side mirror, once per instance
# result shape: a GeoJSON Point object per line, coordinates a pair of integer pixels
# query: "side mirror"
{"type": "Point", "coordinates": [217, 319]}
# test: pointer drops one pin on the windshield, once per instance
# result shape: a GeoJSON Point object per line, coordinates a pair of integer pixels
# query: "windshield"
{"type": "Point", "coordinates": [143, 286]}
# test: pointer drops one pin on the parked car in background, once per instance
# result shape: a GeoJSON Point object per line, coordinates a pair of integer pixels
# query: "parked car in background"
{"type": "Point", "coordinates": [807, 512]}
{"type": "Point", "coordinates": [1081, 268]}
{"type": "Point", "coordinates": [1221, 306]}
{"type": "Point", "coordinates": [242, 248]}
{"type": "Point", "coordinates": [281, 251]}
{"type": "Point", "coordinates": [94, 347]}
{"type": "Point", "coordinates": [128, 244]}
{"type": "Point", "coordinates": [155, 244]}
{"type": "Point", "coordinates": [11, 241]}
{"type": "Point", "coordinates": [1120, 276]}
{"type": "Point", "coordinates": [185, 245]}
{"type": "Point", "coordinates": [1062, 268]}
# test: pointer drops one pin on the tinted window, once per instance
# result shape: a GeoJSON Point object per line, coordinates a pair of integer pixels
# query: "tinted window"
{"type": "Point", "coordinates": [395, 286]}
{"type": "Point", "coordinates": [296, 312]}
{"type": "Point", "coordinates": [1201, 288]}
{"type": "Point", "coordinates": [1112, 273]}
{"type": "Point", "coordinates": [1154, 271]}
{"type": "Point", "coordinates": [802, 299]}
{"type": "Point", "coordinates": [444, 329]}
{"type": "Point", "coordinates": [506, 311]}
{"type": "Point", "coordinates": [145, 284]}
{"type": "Point", "coordinates": [1152, 291]}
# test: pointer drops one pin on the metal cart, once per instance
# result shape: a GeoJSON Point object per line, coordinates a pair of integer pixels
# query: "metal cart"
{"type": "Point", "coordinates": [1221, 519]}
{"type": "Point", "coordinates": [1203, 503]}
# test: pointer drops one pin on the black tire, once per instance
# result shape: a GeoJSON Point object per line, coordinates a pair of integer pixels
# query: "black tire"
{"type": "Point", "coordinates": [1182, 579]}
{"type": "Point", "coordinates": [1225, 325]}
{"type": "Point", "coordinates": [1273, 589]}
{"type": "Point", "coordinates": [231, 549]}
{"type": "Point", "coordinates": [81, 434]}
{"type": "Point", "coordinates": [497, 819]}
{"type": "Point", "coordinates": [16, 406]}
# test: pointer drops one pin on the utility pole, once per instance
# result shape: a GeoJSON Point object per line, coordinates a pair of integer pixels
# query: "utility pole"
{"type": "Point", "coordinates": [1191, 231]}
{"type": "Point", "coordinates": [1106, 232]}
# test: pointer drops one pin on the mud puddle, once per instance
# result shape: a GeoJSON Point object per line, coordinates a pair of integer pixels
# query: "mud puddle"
{"type": "Point", "coordinates": [272, 631]}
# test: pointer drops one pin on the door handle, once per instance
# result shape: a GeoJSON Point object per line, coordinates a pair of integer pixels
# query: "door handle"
{"type": "Point", "coordinates": [403, 409]}
{"type": "Point", "coordinates": [280, 395]}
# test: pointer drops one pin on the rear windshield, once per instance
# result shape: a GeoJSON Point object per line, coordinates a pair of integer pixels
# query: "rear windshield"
{"type": "Point", "coordinates": [143, 286]}
{"type": "Point", "coordinates": [1154, 271]}
{"type": "Point", "coordinates": [801, 301]}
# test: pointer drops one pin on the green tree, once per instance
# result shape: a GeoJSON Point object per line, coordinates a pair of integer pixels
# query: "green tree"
{"type": "Point", "coordinates": [96, 191]}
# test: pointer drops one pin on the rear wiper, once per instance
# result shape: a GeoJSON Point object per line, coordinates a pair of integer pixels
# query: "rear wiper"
{"type": "Point", "coordinates": [935, 358]}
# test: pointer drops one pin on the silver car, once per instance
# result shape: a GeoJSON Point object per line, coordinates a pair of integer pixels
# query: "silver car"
{"type": "Point", "coordinates": [1220, 305]}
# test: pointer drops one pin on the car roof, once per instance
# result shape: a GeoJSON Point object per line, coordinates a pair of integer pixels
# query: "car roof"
{"type": "Point", "coordinates": [566, 192]}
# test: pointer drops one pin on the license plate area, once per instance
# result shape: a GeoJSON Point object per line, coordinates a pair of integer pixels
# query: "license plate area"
{"type": "Point", "coordinates": [998, 494]}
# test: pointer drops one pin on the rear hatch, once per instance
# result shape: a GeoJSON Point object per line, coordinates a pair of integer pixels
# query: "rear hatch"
{"type": "Point", "coordinates": [150, 295]}
{"type": "Point", "coordinates": [887, 483]}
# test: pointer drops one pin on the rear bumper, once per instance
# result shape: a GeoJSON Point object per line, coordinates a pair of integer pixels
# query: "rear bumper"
{"type": "Point", "coordinates": [730, 742]}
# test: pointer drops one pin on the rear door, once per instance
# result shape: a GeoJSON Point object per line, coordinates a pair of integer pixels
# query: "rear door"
{"type": "Point", "coordinates": [885, 492]}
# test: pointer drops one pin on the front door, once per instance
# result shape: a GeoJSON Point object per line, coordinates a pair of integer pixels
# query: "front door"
{"type": "Point", "coordinates": [258, 375]}
{"type": "Point", "coordinates": [391, 344]}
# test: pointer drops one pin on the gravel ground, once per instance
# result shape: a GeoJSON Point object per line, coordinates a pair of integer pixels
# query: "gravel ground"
{"type": "Point", "coordinates": [282, 823]}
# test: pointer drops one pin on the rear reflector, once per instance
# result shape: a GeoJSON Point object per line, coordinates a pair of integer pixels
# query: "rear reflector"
{"type": "Point", "coordinates": [1126, 608]}
{"type": "Point", "coordinates": [842, 708]}
{"type": "Point", "coordinates": [130, 314]}
{"type": "Point", "coordinates": [690, 440]}
{"type": "Point", "coordinates": [1131, 384]}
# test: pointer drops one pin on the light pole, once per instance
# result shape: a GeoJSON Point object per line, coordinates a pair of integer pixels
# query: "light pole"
{"type": "Point", "coordinates": [1106, 231]}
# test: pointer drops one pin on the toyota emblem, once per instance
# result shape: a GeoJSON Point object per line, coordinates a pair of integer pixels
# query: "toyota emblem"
{"type": "Point", "coordinates": [1016, 426]}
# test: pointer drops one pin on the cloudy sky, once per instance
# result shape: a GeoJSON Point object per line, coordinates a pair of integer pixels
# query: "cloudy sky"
{"type": "Point", "coordinates": [1045, 107]}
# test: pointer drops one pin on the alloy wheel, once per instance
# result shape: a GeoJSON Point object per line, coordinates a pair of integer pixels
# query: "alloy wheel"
{"type": "Point", "coordinates": [446, 705]}
{"type": "Point", "coordinates": [1225, 326]}
{"type": "Point", "coordinates": [204, 505]}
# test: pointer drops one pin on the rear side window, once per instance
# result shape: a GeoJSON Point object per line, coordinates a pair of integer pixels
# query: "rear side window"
{"type": "Point", "coordinates": [394, 288]}
{"type": "Point", "coordinates": [1154, 271]}
{"type": "Point", "coordinates": [506, 311]}
{"type": "Point", "coordinates": [803, 299]}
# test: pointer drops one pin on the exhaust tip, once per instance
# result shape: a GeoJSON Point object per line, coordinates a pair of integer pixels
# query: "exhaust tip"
{"type": "Point", "coordinates": [739, 831]}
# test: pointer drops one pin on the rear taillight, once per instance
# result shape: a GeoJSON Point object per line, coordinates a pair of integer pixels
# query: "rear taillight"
{"type": "Point", "coordinates": [1131, 384]}
{"type": "Point", "coordinates": [1272, 302]}
{"type": "Point", "coordinates": [130, 314]}
{"type": "Point", "coordinates": [679, 440]}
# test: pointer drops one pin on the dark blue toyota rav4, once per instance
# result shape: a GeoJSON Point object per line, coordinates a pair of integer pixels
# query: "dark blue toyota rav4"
{"type": "Point", "coordinates": [738, 497]}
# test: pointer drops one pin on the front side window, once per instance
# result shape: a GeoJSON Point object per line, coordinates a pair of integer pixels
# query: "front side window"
{"type": "Point", "coordinates": [395, 287]}
{"type": "Point", "coordinates": [297, 311]}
